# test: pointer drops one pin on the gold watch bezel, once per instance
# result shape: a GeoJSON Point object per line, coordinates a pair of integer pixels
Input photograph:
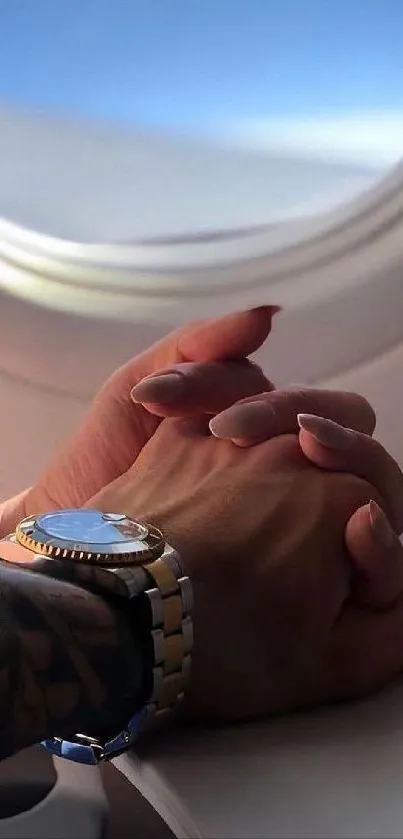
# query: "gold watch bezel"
{"type": "Point", "coordinates": [30, 535]}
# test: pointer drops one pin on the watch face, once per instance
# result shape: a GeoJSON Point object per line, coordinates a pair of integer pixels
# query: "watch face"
{"type": "Point", "coordinates": [78, 533]}
{"type": "Point", "coordinates": [91, 527]}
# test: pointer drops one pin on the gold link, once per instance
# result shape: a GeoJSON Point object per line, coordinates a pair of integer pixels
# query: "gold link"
{"type": "Point", "coordinates": [163, 576]}
{"type": "Point", "coordinates": [173, 653]}
{"type": "Point", "coordinates": [172, 607]}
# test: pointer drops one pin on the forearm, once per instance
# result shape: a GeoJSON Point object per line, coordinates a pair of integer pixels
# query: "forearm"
{"type": "Point", "coordinates": [69, 661]}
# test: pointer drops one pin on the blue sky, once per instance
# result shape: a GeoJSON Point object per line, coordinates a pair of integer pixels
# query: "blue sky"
{"type": "Point", "coordinates": [191, 63]}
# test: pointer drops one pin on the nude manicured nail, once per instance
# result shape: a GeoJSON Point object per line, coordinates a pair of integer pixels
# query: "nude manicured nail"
{"type": "Point", "coordinates": [328, 433]}
{"type": "Point", "coordinates": [251, 419]}
{"type": "Point", "coordinates": [159, 389]}
{"type": "Point", "coordinates": [381, 528]}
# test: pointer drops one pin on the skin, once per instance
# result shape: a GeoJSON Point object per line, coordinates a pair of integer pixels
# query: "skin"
{"type": "Point", "coordinates": [70, 661]}
{"type": "Point", "coordinates": [211, 356]}
{"type": "Point", "coordinates": [262, 533]}
{"type": "Point", "coordinates": [103, 665]}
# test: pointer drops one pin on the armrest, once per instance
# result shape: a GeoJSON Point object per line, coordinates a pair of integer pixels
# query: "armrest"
{"type": "Point", "coordinates": [336, 772]}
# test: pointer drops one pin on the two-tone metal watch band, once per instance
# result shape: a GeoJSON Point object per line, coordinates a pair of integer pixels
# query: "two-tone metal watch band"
{"type": "Point", "coordinates": [169, 595]}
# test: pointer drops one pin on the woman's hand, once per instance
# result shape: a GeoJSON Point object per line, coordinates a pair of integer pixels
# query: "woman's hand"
{"type": "Point", "coordinates": [198, 370]}
{"type": "Point", "coordinates": [371, 536]}
{"type": "Point", "coordinates": [201, 368]}
{"type": "Point", "coordinates": [261, 531]}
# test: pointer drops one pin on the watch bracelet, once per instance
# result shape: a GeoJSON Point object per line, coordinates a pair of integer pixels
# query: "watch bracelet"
{"type": "Point", "coordinates": [168, 594]}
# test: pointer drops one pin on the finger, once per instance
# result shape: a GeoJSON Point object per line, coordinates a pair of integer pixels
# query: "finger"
{"type": "Point", "coordinates": [366, 650]}
{"type": "Point", "coordinates": [204, 388]}
{"type": "Point", "coordinates": [114, 430]}
{"type": "Point", "coordinates": [234, 336]}
{"type": "Point", "coordinates": [114, 416]}
{"type": "Point", "coordinates": [377, 557]}
{"type": "Point", "coordinates": [267, 415]}
{"type": "Point", "coordinates": [332, 446]}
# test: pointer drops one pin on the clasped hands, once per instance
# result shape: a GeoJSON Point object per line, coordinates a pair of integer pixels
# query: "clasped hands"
{"type": "Point", "coordinates": [281, 523]}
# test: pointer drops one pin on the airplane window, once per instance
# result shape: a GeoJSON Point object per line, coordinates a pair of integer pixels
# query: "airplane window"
{"type": "Point", "coordinates": [229, 112]}
{"type": "Point", "coordinates": [127, 121]}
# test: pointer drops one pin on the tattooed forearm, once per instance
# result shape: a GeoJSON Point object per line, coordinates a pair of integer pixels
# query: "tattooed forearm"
{"type": "Point", "coordinates": [68, 661]}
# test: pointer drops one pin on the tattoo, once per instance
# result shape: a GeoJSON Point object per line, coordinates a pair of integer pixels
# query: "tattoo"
{"type": "Point", "coordinates": [69, 661]}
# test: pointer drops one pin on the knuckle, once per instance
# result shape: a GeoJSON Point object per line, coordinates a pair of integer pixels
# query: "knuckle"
{"type": "Point", "coordinates": [285, 450]}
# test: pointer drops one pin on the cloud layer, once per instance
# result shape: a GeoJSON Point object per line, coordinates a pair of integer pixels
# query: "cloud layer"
{"type": "Point", "coordinates": [368, 139]}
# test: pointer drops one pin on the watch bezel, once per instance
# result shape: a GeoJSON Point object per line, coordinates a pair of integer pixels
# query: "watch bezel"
{"type": "Point", "coordinates": [31, 534]}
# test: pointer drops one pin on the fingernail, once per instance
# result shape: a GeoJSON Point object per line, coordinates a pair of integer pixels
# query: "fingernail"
{"type": "Point", "coordinates": [382, 529]}
{"type": "Point", "coordinates": [328, 433]}
{"type": "Point", "coordinates": [273, 308]}
{"type": "Point", "coordinates": [159, 389]}
{"type": "Point", "coordinates": [251, 419]}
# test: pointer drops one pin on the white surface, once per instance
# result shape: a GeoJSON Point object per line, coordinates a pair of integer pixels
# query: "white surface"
{"type": "Point", "coordinates": [333, 773]}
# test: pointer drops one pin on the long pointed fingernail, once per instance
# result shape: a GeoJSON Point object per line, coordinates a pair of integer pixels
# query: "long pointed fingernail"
{"type": "Point", "coordinates": [161, 389]}
{"type": "Point", "coordinates": [250, 420]}
{"type": "Point", "coordinates": [381, 528]}
{"type": "Point", "coordinates": [328, 433]}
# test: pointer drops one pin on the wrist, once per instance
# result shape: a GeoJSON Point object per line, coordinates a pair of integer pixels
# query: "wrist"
{"type": "Point", "coordinates": [128, 567]}
{"type": "Point", "coordinates": [70, 657]}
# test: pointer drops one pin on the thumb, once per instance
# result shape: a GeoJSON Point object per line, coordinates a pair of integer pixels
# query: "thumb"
{"type": "Point", "coordinates": [114, 430]}
{"type": "Point", "coordinates": [376, 555]}
{"type": "Point", "coordinates": [231, 337]}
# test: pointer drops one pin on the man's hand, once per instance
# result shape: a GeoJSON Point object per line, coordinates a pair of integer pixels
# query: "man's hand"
{"type": "Point", "coordinates": [261, 531]}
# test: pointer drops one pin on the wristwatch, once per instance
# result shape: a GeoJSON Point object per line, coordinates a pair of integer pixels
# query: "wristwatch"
{"type": "Point", "coordinates": [113, 555]}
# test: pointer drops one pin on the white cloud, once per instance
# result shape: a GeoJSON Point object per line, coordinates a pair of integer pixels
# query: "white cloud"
{"type": "Point", "coordinates": [368, 139]}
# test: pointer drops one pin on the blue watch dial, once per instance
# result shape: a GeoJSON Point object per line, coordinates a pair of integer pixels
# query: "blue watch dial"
{"type": "Point", "coordinates": [90, 527]}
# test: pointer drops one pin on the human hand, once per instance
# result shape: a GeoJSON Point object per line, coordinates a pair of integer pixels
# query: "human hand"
{"type": "Point", "coordinates": [261, 532]}
{"type": "Point", "coordinates": [371, 538]}
{"type": "Point", "coordinates": [371, 535]}
{"type": "Point", "coordinates": [204, 369]}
